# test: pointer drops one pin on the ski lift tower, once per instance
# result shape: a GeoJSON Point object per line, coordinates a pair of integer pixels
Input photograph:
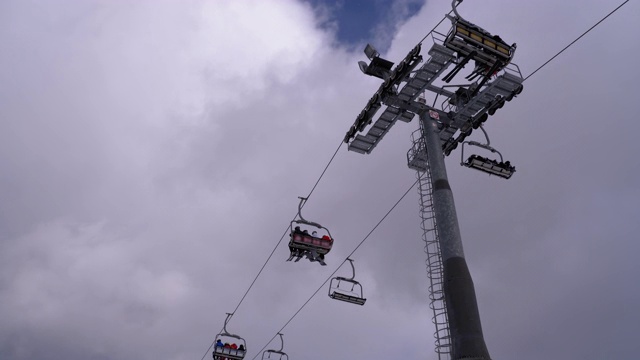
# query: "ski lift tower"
{"type": "Point", "coordinates": [445, 122]}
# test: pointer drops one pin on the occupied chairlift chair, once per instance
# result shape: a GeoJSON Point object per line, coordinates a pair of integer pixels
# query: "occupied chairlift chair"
{"type": "Point", "coordinates": [503, 169]}
{"type": "Point", "coordinates": [276, 354]}
{"type": "Point", "coordinates": [220, 352]}
{"type": "Point", "coordinates": [471, 42]}
{"type": "Point", "coordinates": [354, 295]}
{"type": "Point", "coordinates": [304, 244]}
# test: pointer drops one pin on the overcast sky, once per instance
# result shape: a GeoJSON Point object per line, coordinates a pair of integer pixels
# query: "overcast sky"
{"type": "Point", "coordinates": [152, 153]}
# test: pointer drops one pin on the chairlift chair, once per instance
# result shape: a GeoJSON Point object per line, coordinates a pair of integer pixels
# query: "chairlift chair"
{"type": "Point", "coordinates": [313, 247]}
{"type": "Point", "coordinates": [502, 169]}
{"type": "Point", "coordinates": [466, 38]}
{"type": "Point", "coordinates": [276, 354]}
{"type": "Point", "coordinates": [220, 352]}
{"type": "Point", "coordinates": [353, 296]}
{"type": "Point", "coordinates": [379, 67]}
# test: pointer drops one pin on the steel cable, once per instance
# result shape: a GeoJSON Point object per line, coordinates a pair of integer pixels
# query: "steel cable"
{"type": "Point", "coordinates": [574, 41]}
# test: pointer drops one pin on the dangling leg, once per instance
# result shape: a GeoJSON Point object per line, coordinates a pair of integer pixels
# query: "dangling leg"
{"type": "Point", "coordinates": [321, 260]}
{"type": "Point", "coordinates": [312, 255]}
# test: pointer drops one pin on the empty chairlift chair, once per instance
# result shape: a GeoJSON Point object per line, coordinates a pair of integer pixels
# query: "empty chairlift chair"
{"type": "Point", "coordinates": [378, 67]}
{"type": "Point", "coordinates": [304, 243]}
{"type": "Point", "coordinates": [224, 347]}
{"type": "Point", "coordinates": [276, 354]}
{"type": "Point", "coordinates": [353, 295]}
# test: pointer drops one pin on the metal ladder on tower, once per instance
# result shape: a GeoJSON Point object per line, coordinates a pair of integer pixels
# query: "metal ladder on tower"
{"type": "Point", "coordinates": [417, 160]}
